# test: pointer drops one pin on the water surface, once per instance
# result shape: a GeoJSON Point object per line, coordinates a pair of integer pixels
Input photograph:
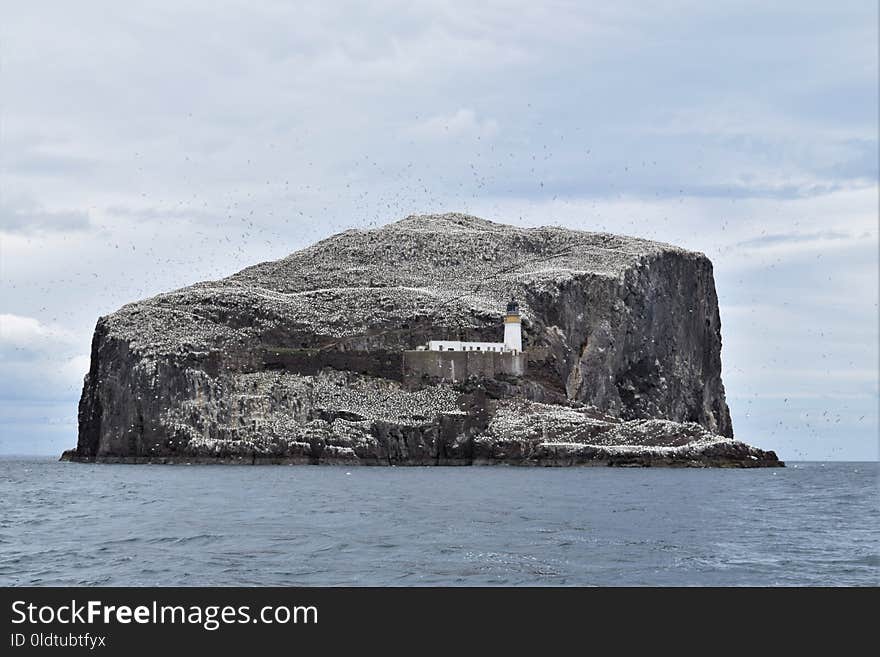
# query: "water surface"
{"type": "Point", "coordinates": [69, 524]}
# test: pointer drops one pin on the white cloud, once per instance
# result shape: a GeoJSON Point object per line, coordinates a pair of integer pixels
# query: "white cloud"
{"type": "Point", "coordinates": [29, 333]}
{"type": "Point", "coordinates": [463, 123]}
{"type": "Point", "coordinates": [30, 218]}
{"type": "Point", "coordinates": [40, 361]}
{"type": "Point", "coordinates": [745, 117]}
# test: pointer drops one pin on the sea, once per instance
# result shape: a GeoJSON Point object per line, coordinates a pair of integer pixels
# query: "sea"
{"type": "Point", "coordinates": [813, 524]}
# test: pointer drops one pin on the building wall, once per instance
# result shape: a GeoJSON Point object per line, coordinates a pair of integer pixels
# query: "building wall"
{"type": "Point", "coordinates": [456, 345]}
{"type": "Point", "coordinates": [459, 365]}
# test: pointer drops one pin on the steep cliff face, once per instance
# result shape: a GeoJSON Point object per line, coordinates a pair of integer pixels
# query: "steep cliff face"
{"type": "Point", "coordinates": [299, 359]}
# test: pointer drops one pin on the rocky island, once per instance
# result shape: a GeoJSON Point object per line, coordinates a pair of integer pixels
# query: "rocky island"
{"type": "Point", "coordinates": [303, 360]}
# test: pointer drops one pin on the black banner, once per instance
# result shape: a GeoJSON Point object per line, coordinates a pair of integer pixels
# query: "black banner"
{"type": "Point", "coordinates": [275, 620]}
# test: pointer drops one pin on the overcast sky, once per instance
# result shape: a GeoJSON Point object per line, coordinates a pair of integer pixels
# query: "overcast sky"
{"type": "Point", "coordinates": [146, 149]}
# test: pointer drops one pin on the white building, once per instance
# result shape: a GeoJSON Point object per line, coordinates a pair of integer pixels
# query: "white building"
{"type": "Point", "coordinates": [512, 337]}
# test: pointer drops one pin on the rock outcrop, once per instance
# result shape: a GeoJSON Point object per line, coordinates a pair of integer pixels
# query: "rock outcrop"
{"type": "Point", "coordinates": [299, 360]}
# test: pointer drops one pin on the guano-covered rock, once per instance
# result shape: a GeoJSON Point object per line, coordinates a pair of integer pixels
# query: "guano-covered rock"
{"type": "Point", "coordinates": [300, 360]}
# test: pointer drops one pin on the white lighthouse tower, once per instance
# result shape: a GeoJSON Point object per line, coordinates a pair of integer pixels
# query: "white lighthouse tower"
{"type": "Point", "coordinates": [512, 328]}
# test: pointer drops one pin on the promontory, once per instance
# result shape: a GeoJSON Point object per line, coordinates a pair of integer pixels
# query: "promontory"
{"type": "Point", "coordinates": [436, 340]}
